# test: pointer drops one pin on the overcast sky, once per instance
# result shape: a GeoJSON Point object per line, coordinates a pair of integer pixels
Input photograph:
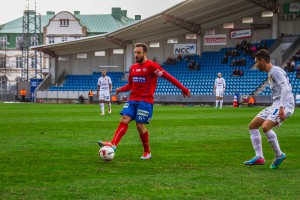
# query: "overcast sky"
{"type": "Point", "coordinates": [12, 9]}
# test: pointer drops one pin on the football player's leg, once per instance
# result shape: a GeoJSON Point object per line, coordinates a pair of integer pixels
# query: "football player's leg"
{"type": "Point", "coordinates": [255, 135]}
{"type": "Point", "coordinates": [121, 130]}
{"type": "Point", "coordinates": [217, 99]}
{"type": "Point", "coordinates": [101, 101]}
{"type": "Point", "coordinates": [272, 137]}
{"type": "Point", "coordinates": [256, 142]}
{"type": "Point", "coordinates": [221, 101]}
{"type": "Point", "coordinates": [143, 116]}
{"type": "Point", "coordinates": [144, 136]}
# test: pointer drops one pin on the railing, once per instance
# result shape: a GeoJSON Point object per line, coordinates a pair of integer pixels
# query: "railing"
{"type": "Point", "coordinates": [8, 92]}
{"type": "Point", "coordinates": [290, 50]}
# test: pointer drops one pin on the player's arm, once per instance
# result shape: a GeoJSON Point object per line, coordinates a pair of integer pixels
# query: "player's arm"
{"type": "Point", "coordinates": [126, 87]}
{"type": "Point", "coordinates": [110, 85]}
{"type": "Point", "coordinates": [159, 71]}
{"type": "Point", "coordinates": [284, 93]}
{"type": "Point", "coordinates": [98, 88]}
{"type": "Point", "coordinates": [281, 80]}
{"type": "Point", "coordinates": [215, 86]}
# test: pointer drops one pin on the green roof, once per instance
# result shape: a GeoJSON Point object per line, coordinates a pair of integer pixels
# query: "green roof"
{"type": "Point", "coordinates": [102, 23]}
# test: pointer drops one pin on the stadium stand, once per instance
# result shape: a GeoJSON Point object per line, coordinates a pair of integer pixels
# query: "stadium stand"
{"type": "Point", "coordinates": [200, 82]}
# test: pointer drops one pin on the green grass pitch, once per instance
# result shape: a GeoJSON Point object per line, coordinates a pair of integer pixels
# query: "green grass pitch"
{"type": "Point", "coordinates": [49, 151]}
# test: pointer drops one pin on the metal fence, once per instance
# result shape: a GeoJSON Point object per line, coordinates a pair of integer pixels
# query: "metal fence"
{"type": "Point", "coordinates": [8, 92]}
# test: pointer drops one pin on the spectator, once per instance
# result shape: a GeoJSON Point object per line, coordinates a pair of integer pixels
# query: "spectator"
{"type": "Point", "coordinates": [253, 49]}
{"type": "Point", "coordinates": [187, 58]}
{"type": "Point", "coordinates": [191, 67]}
{"type": "Point", "coordinates": [225, 59]}
{"type": "Point", "coordinates": [81, 99]}
{"type": "Point", "coordinates": [298, 71]}
{"type": "Point", "coordinates": [233, 63]}
{"type": "Point", "coordinates": [251, 101]}
{"type": "Point", "coordinates": [238, 46]}
{"type": "Point", "coordinates": [179, 57]}
{"type": "Point", "coordinates": [91, 95]}
{"type": "Point", "coordinates": [197, 67]}
{"type": "Point", "coordinates": [235, 72]}
{"type": "Point", "coordinates": [241, 73]}
{"type": "Point", "coordinates": [264, 45]}
{"type": "Point", "coordinates": [23, 94]}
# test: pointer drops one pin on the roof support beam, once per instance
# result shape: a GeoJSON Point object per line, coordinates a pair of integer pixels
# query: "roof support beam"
{"type": "Point", "coordinates": [187, 25]}
{"type": "Point", "coordinates": [116, 41]}
{"type": "Point", "coordinates": [271, 5]}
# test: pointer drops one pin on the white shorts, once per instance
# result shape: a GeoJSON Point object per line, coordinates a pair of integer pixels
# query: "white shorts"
{"type": "Point", "coordinates": [272, 112]}
{"type": "Point", "coordinates": [104, 96]}
{"type": "Point", "coordinates": [219, 93]}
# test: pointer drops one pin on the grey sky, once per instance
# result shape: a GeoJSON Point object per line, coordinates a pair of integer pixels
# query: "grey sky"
{"type": "Point", "coordinates": [12, 9]}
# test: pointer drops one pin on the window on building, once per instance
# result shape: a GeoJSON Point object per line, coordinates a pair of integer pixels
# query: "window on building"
{"type": "Point", "coordinates": [2, 62]}
{"type": "Point", "coordinates": [34, 41]}
{"type": "Point", "coordinates": [118, 51]}
{"type": "Point", "coordinates": [63, 58]}
{"type": "Point", "coordinates": [19, 41]}
{"type": "Point", "coordinates": [64, 22]}
{"type": "Point", "coordinates": [247, 20]}
{"type": "Point", "coordinates": [81, 56]}
{"type": "Point", "coordinates": [191, 36]}
{"type": "Point", "coordinates": [32, 64]}
{"type": "Point", "coordinates": [18, 62]}
{"type": "Point", "coordinates": [51, 40]}
{"type": "Point", "coordinates": [99, 53]}
{"type": "Point", "coordinates": [64, 38]}
{"type": "Point", "coordinates": [228, 25]}
{"type": "Point", "coordinates": [154, 44]}
{"type": "Point", "coordinates": [210, 32]}
{"type": "Point", "coordinates": [172, 40]}
{"type": "Point", "coordinates": [3, 41]}
{"type": "Point", "coordinates": [267, 14]}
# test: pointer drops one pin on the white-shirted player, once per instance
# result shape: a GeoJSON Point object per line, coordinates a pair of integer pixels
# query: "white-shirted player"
{"type": "Point", "coordinates": [219, 89]}
{"type": "Point", "coordinates": [283, 107]}
{"type": "Point", "coordinates": [103, 91]}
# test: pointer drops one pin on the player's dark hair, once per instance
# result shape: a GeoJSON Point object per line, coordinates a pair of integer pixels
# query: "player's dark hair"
{"type": "Point", "coordinates": [263, 54]}
{"type": "Point", "coordinates": [145, 47]}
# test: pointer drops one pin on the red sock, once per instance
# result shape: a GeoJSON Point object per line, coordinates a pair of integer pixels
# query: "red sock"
{"type": "Point", "coordinates": [145, 140]}
{"type": "Point", "coordinates": [120, 132]}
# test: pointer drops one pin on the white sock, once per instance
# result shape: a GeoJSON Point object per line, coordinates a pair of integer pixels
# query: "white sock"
{"type": "Point", "coordinates": [221, 103]}
{"type": "Point", "coordinates": [109, 105]}
{"type": "Point", "coordinates": [256, 142]}
{"type": "Point", "coordinates": [217, 101]}
{"type": "Point", "coordinates": [272, 138]}
{"type": "Point", "coordinates": [102, 107]}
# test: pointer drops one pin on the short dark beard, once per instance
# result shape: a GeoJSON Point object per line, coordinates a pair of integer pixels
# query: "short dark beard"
{"type": "Point", "coordinates": [141, 60]}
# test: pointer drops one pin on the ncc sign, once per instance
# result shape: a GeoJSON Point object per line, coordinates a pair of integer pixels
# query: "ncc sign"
{"type": "Point", "coordinates": [184, 48]}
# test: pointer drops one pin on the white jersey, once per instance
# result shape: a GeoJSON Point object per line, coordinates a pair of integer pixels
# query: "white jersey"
{"type": "Point", "coordinates": [104, 83]}
{"type": "Point", "coordinates": [276, 76]}
{"type": "Point", "coordinates": [220, 84]}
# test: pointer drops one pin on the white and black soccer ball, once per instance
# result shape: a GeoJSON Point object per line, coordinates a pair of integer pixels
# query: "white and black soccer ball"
{"type": "Point", "coordinates": [106, 153]}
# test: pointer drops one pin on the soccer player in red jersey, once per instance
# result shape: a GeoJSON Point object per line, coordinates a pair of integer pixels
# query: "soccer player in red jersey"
{"type": "Point", "coordinates": [142, 82]}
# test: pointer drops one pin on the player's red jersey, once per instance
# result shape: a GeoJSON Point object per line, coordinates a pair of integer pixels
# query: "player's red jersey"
{"type": "Point", "coordinates": [142, 81]}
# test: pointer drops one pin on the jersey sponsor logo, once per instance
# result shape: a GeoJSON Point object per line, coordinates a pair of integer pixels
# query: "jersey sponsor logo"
{"type": "Point", "coordinates": [126, 105]}
{"type": "Point", "coordinates": [158, 72]}
{"type": "Point", "coordinates": [143, 113]}
{"type": "Point", "coordinates": [139, 79]}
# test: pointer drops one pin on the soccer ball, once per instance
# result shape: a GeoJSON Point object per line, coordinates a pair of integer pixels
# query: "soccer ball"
{"type": "Point", "coordinates": [106, 153]}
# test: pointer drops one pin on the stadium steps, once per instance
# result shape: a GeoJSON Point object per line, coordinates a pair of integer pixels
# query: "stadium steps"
{"type": "Point", "coordinates": [261, 88]}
